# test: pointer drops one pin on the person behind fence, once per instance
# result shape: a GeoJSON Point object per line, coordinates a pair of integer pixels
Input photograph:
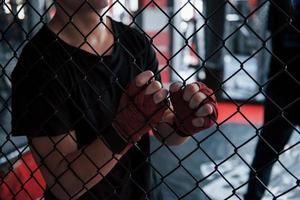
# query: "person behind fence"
{"type": "Point", "coordinates": [86, 92]}
{"type": "Point", "coordinates": [282, 95]}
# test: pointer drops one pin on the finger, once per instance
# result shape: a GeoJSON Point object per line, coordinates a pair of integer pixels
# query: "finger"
{"type": "Point", "coordinates": [160, 96]}
{"type": "Point", "coordinates": [190, 90]}
{"type": "Point", "coordinates": [174, 87]}
{"type": "Point", "coordinates": [198, 122]}
{"type": "Point", "coordinates": [153, 87]}
{"type": "Point", "coordinates": [204, 110]}
{"type": "Point", "coordinates": [143, 78]}
{"type": "Point", "coordinates": [196, 100]}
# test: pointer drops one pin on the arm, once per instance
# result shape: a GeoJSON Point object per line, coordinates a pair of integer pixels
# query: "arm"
{"type": "Point", "coordinates": [166, 133]}
{"type": "Point", "coordinates": [68, 171]}
{"type": "Point", "coordinates": [193, 97]}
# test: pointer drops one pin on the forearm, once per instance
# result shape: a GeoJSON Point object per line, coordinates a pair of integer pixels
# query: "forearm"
{"type": "Point", "coordinates": [167, 135]}
{"type": "Point", "coordinates": [83, 169]}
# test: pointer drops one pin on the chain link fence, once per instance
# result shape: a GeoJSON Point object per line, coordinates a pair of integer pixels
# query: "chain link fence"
{"type": "Point", "coordinates": [74, 126]}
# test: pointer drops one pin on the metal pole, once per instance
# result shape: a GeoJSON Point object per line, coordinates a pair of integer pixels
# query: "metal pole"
{"type": "Point", "coordinates": [214, 10]}
{"type": "Point", "coordinates": [35, 9]}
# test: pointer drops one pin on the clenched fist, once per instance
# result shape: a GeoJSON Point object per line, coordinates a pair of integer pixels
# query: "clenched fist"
{"type": "Point", "coordinates": [195, 107]}
{"type": "Point", "coordinates": [141, 106]}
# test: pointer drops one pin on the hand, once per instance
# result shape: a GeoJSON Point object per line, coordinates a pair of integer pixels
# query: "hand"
{"type": "Point", "coordinates": [141, 106]}
{"type": "Point", "coordinates": [195, 107]}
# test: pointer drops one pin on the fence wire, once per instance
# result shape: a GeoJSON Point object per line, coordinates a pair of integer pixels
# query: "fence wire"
{"type": "Point", "coordinates": [75, 123]}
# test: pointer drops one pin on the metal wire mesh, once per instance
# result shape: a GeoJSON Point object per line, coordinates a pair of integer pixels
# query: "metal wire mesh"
{"type": "Point", "coordinates": [217, 42]}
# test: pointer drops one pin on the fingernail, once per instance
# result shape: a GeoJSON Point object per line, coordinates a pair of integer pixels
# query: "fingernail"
{"type": "Point", "coordinates": [204, 110]}
{"type": "Point", "coordinates": [151, 74]}
{"type": "Point", "coordinates": [210, 109]}
{"type": "Point", "coordinates": [198, 122]}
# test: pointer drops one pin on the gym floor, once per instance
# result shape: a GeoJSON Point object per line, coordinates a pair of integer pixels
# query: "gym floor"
{"type": "Point", "coordinates": [196, 177]}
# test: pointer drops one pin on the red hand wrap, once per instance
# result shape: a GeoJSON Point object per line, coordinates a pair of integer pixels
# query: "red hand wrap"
{"type": "Point", "coordinates": [185, 115]}
{"type": "Point", "coordinates": [136, 113]}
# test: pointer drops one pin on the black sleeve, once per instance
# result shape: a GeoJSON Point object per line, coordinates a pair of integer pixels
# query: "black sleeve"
{"type": "Point", "coordinates": [41, 100]}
